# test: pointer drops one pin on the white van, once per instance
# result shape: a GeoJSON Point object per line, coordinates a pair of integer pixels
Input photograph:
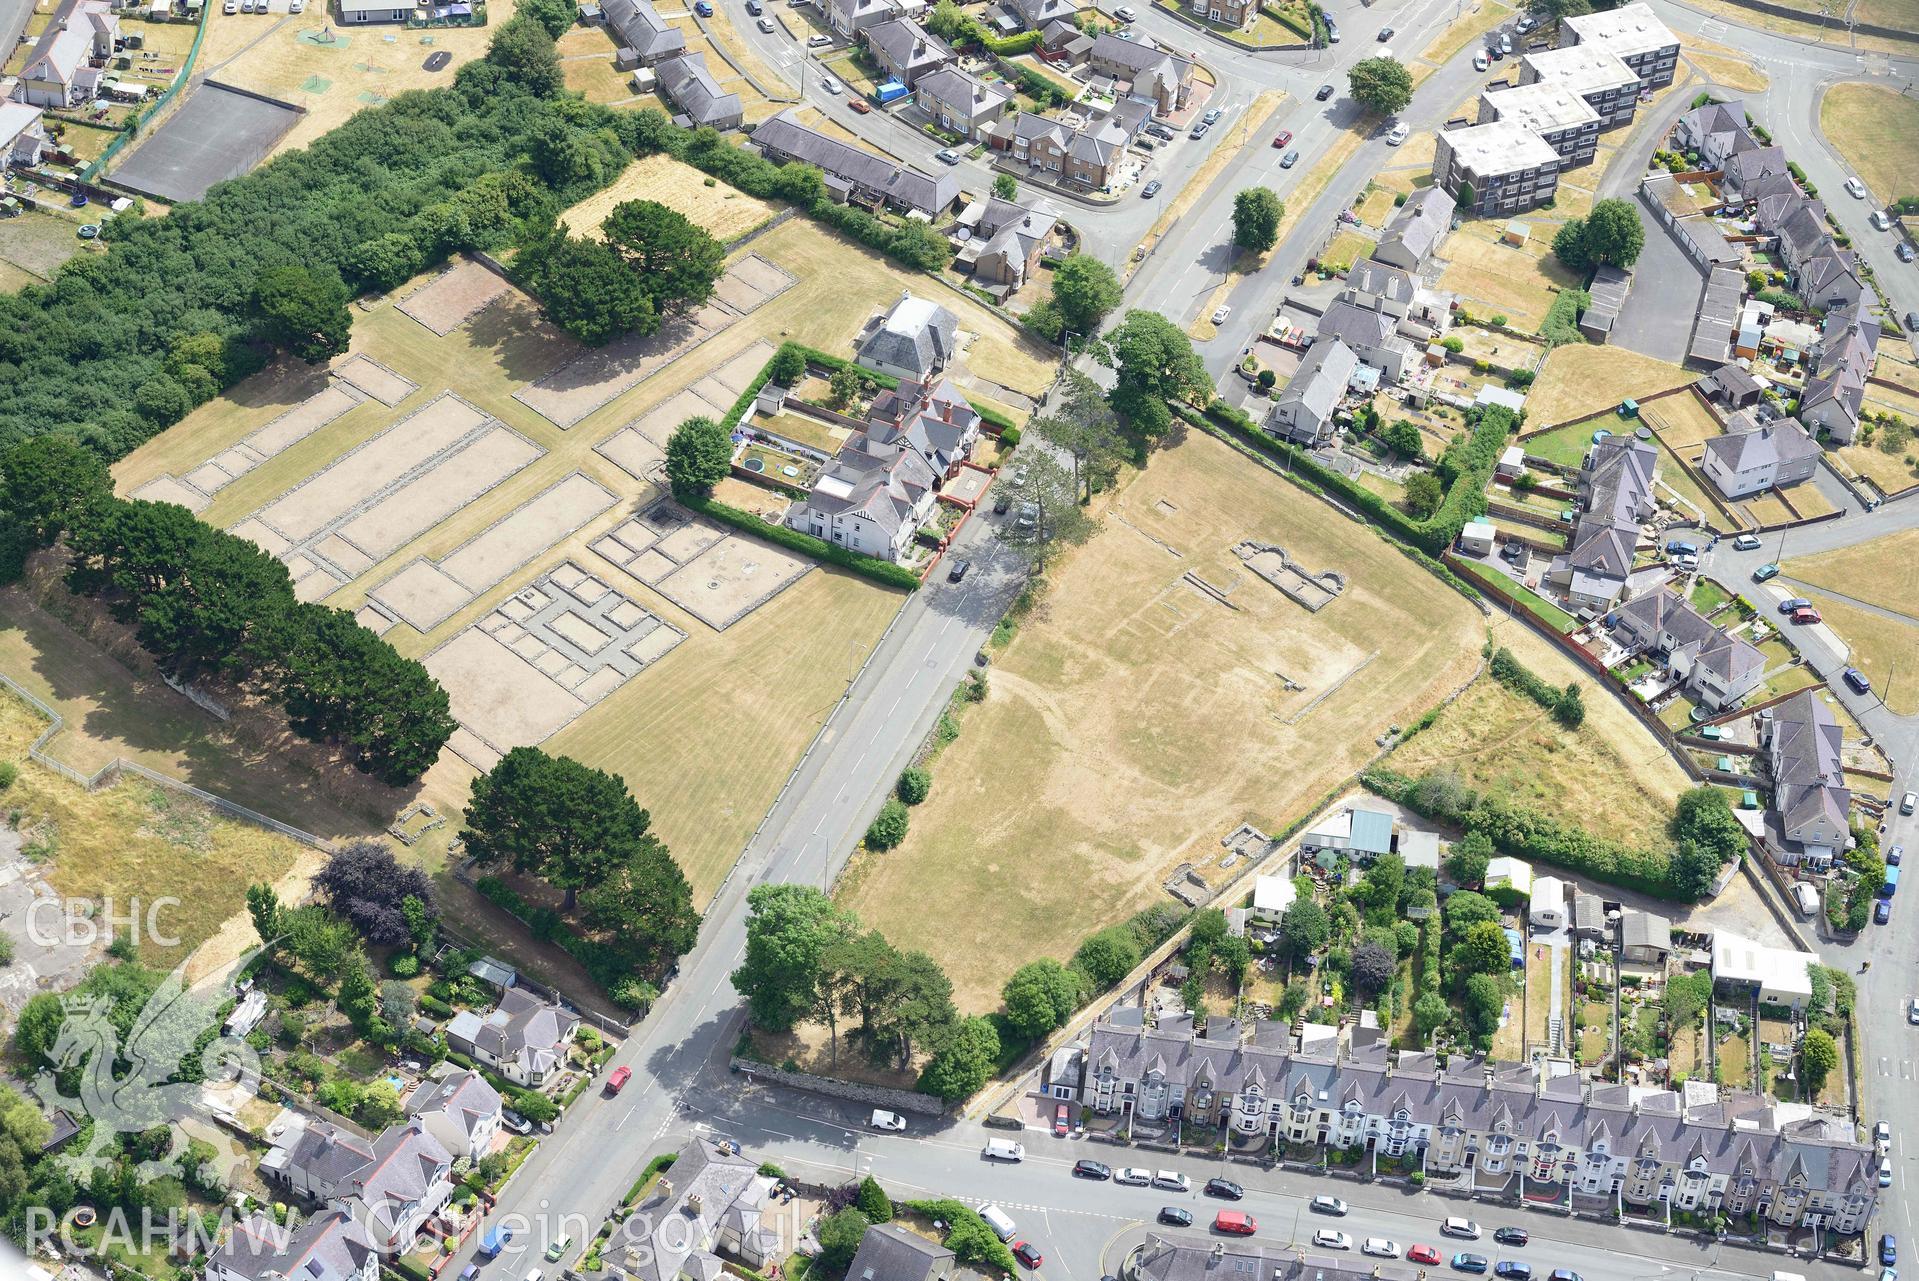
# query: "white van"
{"type": "Point", "coordinates": [1002, 1226]}
{"type": "Point", "coordinates": [1004, 1150]}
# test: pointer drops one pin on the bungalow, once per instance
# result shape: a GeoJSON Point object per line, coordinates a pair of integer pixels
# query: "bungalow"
{"type": "Point", "coordinates": [1776, 975]}
{"type": "Point", "coordinates": [1304, 412]}
{"type": "Point", "coordinates": [361, 12]}
{"type": "Point", "coordinates": [854, 174]}
{"type": "Point", "coordinates": [524, 1038]}
{"type": "Point", "coordinates": [914, 340]}
{"type": "Point", "coordinates": [645, 38]}
{"type": "Point", "coordinates": [960, 102]}
{"type": "Point", "coordinates": [1546, 905]}
{"type": "Point", "coordinates": [1162, 78]}
{"type": "Point", "coordinates": [1714, 668]}
{"type": "Point", "coordinates": [692, 88]}
{"type": "Point", "coordinates": [1363, 833]}
{"type": "Point", "coordinates": [330, 1246]}
{"type": "Point", "coordinates": [1774, 456]}
{"type": "Point", "coordinates": [905, 51]}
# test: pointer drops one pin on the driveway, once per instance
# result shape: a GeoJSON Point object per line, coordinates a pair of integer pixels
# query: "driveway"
{"type": "Point", "coordinates": [1657, 318]}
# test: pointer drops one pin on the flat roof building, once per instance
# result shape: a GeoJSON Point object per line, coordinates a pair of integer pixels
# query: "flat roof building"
{"type": "Point", "coordinates": [1496, 168]}
{"type": "Point", "coordinates": [1633, 32]}
{"type": "Point", "coordinates": [1779, 975]}
{"type": "Point", "coordinates": [1550, 109]}
{"type": "Point", "coordinates": [1605, 80]}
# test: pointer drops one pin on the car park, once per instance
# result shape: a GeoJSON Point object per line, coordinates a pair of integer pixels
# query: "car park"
{"type": "Point", "coordinates": [1092, 1170]}
{"type": "Point", "coordinates": [1513, 1270]}
{"type": "Point", "coordinates": [1331, 1239]}
{"type": "Point", "coordinates": [1225, 1189]}
{"type": "Point", "coordinates": [1422, 1254]}
{"type": "Point", "coordinates": [1512, 1236]}
{"type": "Point", "coordinates": [1281, 138]}
{"type": "Point", "coordinates": [1380, 1247]}
{"type": "Point", "coordinates": [1746, 543]}
{"type": "Point", "coordinates": [1467, 1262]}
{"type": "Point", "coordinates": [1856, 189]}
{"type": "Point", "coordinates": [1236, 1223]}
{"type": "Point", "coordinates": [1133, 1177]}
{"type": "Point", "coordinates": [1327, 1205]}
{"type": "Point", "coordinates": [1172, 1181]}
{"type": "Point", "coordinates": [1765, 572]}
{"type": "Point", "coordinates": [1173, 1215]}
{"type": "Point", "coordinates": [1288, 160]}
{"type": "Point", "coordinates": [1150, 190]}
{"type": "Point", "coordinates": [1028, 1253]}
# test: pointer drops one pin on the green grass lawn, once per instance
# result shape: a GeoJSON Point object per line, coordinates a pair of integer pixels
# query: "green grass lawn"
{"type": "Point", "coordinates": [1677, 715]}
{"type": "Point", "coordinates": [1568, 445]}
{"type": "Point", "coordinates": [1533, 603]}
{"type": "Point", "coordinates": [1708, 596]}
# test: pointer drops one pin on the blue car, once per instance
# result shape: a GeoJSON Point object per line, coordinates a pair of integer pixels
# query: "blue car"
{"type": "Point", "coordinates": [1888, 1250]}
{"type": "Point", "coordinates": [1881, 914]}
{"type": "Point", "coordinates": [1469, 1262]}
{"type": "Point", "coordinates": [1514, 1270]}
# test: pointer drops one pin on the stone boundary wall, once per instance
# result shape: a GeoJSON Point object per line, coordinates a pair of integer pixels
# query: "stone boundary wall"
{"type": "Point", "coordinates": [853, 1092]}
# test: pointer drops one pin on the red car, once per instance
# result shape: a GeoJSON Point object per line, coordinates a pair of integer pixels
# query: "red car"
{"type": "Point", "coordinates": [1061, 1121]}
{"type": "Point", "coordinates": [1806, 615]}
{"type": "Point", "coordinates": [617, 1082]}
{"type": "Point", "coordinates": [1237, 1222]}
{"type": "Point", "coordinates": [1285, 136]}
{"type": "Point", "coordinates": [1422, 1254]}
{"type": "Point", "coordinates": [1028, 1253]}
{"type": "Point", "coordinates": [860, 105]}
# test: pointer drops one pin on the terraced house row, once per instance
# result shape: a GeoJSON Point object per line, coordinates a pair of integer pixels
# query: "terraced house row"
{"type": "Point", "coordinates": [1487, 1128]}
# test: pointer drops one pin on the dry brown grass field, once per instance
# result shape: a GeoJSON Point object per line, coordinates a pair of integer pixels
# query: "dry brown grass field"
{"type": "Point", "coordinates": [1877, 131]}
{"type": "Point", "coordinates": [1580, 379]}
{"type": "Point", "coordinates": [1135, 719]}
{"type": "Point", "coordinates": [1883, 572]}
{"type": "Point", "coordinates": [726, 214]}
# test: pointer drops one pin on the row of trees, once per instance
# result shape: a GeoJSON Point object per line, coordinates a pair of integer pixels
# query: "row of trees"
{"type": "Point", "coordinates": [808, 961]}
{"type": "Point", "coordinates": [204, 602]}
{"type": "Point", "coordinates": [649, 262]}
{"type": "Point", "coordinates": [124, 344]}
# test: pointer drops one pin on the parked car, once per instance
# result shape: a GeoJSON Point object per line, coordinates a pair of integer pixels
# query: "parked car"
{"type": "Point", "coordinates": [1133, 1177]}
{"type": "Point", "coordinates": [1856, 188]}
{"type": "Point", "coordinates": [1398, 134]}
{"type": "Point", "coordinates": [1506, 45]}
{"type": "Point", "coordinates": [1331, 1239]}
{"type": "Point", "coordinates": [1092, 1170]}
{"type": "Point", "coordinates": [515, 1122]}
{"type": "Point", "coordinates": [1003, 1150]}
{"type": "Point", "coordinates": [1380, 1247]}
{"type": "Point", "coordinates": [1482, 61]}
{"type": "Point", "coordinates": [1564, 1274]}
{"type": "Point", "coordinates": [1163, 132]}
{"type": "Point", "coordinates": [1764, 572]}
{"type": "Point", "coordinates": [891, 1122]}
{"type": "Point", "coordinates": [1881, 220]}
{"type": "Point", "coordinates": [1172, 1181]}
{"type": "Point", "coordinates": [1908, 802]}
{"type": "Point", "coordinates": [1222, 311]}
{"type": "Point", "coordinates": [1513, 1270]}
{"type": "Point", "coordinates": [830, 84]}
{"type": "Point", "coordinates": [1805, 617]}
{"type": "Point", "coordinates": [1882, 912]}
{"type": "Point", "coordinates": [1912, 1009]}
{"type": "Point", "coordinates": [1904, 250]}
{"type": "Point", "coordinates": [621, 1075]}
{"type": "Point", "coordinates": [1212, 117]}
{"type": "Point", "coordinates": [1225, 1189]}
{"type": "Point", "coordinates": [1882, 1133]}
{"type": "Point", "coordinates": [703, 7]}
{"type": "Point", "coordinates": [1895, 856]}
{"type": "Point", "coordinates": [1746, 543]}
{"type": "Point", "coordinates": [859, 105]}
{"type": "Point", "coordinates": [1150, 190]}
{"type": "Point", "coordinates": [1525, 24]}
{"type": "Point", "coordinates": [1888, 1250]}
{"type": "Point", "coordinates": [230, 7]}
{"type": "Point", "coordinates": [1681, 547]}
{"type": "Point", "coordinates": [1385, 34]}
{"type": "Point", "coordinates": [1281, 138]}
{"type": "Point", "coordinates": [1885, 1175]}
{"type": "Point", "coordinates": [1325, 92]}
{"type": "Point", "coordinates": [1465, 1262]}
{"type": "Point", "coordinates": [1235, 1223]}
{"type": "Point", "coordinates": [1327, 1205]}
{"type": "Point", "coordinates": [1198, 131]}
{"type": "Point", "coordinates": [1028, 1253]}
{"type": "Point", "coordinates": [1125, 13]}
{"type": "Point", "coordinates": [1176, 1217]}
{"type": "Point", "coordinates": [1511, 1236]}
{"type": "Point", "coordinates": [1063, 1114]}
{"type": "Point", "coordinates": [1856, 681]}
{"type": "Point", "coordinates": [768, 26]}
{"type": "Point", "coordinates": [1422, 1254]}
{"type": "Point", "coordinates": [1792, 603]}
{"type": "Point", "coordinates": [558, 1248]}
{"type": "Point", "coordinates": [815, 42]}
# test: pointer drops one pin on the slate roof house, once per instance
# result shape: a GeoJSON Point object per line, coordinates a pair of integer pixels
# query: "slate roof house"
{"type": "Point", "coordinates": [1372, 333]}
{"type": "Point", "coordinates": [1731, 386]}
{"type": "Point", "coordinates": [56, 73]}
{"type": "Point", "coordinates": [852, 173]}
{"type": "Point", "coordinates": [914, 340]}
{"type": "Point", "coordinates": [1416, 229]}
{"type": "Point", "coordinates": [1303, 412]}
{"type": "Point", "coordinates": [1835, 391]}
{"type": "Point", "coordinates": [1714, 668]}
{"type": "Point", "coordinates": [329, 1246]}
{"type": "Point", "coordinates": [22, 139]}
{"type": "Point", "coordinates": [1745, 170]}
{"type": "Point", "coordinates": [1773, 456]}
{"type": "Point", "coordinates": [1496, 1127]}
{"type": "Point", "coordinates": [1007, 240]}
{"type": "Point", "coordinates": [707, 1205]}
{"type": "Point", "coordinates": [1615, 498]}
{"type": "Point", "coordinates": [850, 17]}
{"type": "Point", "coordinates": [697, 94]}
{"type": "Point", "coordinates": [1717, 131]}
{"type": "Point", "coordinates": [1083, 157]}
{"type": "Point", "coordinates": [889, 1252]}
{"type": "Point", "coordinates": [905, 51]}
{"type": "Point", "coordinates": [1040, 14]}
{"type": "Point", "coordinates": [1811, 804]}
{"type": "Point", "coordinates": [461, 1110]}
{"type": "Point", "coordinates": [881, 485]}
{"type": "Point", "coordinates": [644, 37]}
{"type": "Point", "coordinates": [960, 102]}
{"type": "Point", "coordinates": [391, 1184]}
{"type": "Point", "coordinates": [524, 1038]}
{"type": "Point", "coordinates": [1162, 78]}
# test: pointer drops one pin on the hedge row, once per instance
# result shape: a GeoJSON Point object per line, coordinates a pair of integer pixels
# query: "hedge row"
{"type": "Point", "coordinates": [967, 1234]}
{"type": "Point", "coordinates": [1524, 832]}
{"type": "Point", "coordinates": [1465, 496]}
{"type": "Point", "coordinates": [1516, 676]}
{"type": "Point", "coordinates": [880, 571]}
{"type": "Point", "coordinates": [604, 964]}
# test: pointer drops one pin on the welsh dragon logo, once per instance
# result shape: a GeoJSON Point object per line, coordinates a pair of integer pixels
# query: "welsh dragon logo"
{"type": "Point", "coordinates": [134, 1084]}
